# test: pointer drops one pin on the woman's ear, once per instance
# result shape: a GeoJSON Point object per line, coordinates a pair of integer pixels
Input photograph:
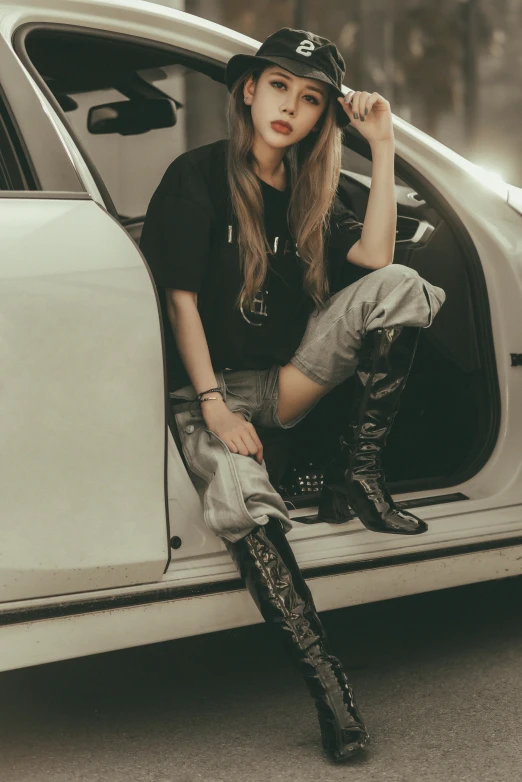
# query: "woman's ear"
{"type": "Point", "coordinates": [248, 90]}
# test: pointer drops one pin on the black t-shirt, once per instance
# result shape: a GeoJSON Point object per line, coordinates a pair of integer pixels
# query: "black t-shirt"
{"type": "Point", "coordinates": [189, 240]}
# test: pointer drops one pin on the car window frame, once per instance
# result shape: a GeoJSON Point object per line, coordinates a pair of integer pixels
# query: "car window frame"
{"type": "Point", "coordinates": [211, 67]}
{"type": "Point", "coordinates": [41, 155]}
{"type": "Point", "coordinates": [202, 63]}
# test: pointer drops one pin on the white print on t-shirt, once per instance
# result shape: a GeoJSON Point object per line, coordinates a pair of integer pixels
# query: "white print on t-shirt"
{"type": "Point", "coordinates": [258, 307]}
{"type": "Point", "coordinates": [306, 47]}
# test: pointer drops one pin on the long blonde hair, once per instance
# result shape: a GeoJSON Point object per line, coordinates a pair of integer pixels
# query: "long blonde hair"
{"type": "Point", "coordinates": [314, 164]}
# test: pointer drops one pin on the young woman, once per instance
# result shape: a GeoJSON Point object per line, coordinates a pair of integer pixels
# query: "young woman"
{"type": "Point", "coordinates": [253, 254]}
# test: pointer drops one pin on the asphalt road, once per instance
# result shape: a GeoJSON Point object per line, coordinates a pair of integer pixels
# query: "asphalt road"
{"type": "Point", "coordinates": [437, 676]}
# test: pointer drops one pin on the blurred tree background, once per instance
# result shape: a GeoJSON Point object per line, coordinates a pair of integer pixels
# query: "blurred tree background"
{"type": "Point", "coordinates": [453, 68]}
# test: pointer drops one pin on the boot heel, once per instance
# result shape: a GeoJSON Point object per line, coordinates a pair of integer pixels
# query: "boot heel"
{"type": "Point", "coordinates": [355, 479]}
{"type": "Point", "coordinates": [333, 506]}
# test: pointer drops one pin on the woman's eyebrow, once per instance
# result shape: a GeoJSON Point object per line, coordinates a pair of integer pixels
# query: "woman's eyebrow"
{"type": "Point", "coordinates": [308, 86]}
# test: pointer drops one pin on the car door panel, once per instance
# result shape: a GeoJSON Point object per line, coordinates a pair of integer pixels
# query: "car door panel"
{"type": "Point", "coordinates": [82, 404]}
{"type": "Point", "coordinates": [416, 221]}
{"type": "Point", "coordinates": [188, 526]}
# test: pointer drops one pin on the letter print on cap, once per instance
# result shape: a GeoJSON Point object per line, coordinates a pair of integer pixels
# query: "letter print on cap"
{"type": "Point", "coordinates": [306, 48]}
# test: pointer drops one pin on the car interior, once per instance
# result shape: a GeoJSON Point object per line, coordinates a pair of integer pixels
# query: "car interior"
{"type": "Point", "coordinates": [116, 91]}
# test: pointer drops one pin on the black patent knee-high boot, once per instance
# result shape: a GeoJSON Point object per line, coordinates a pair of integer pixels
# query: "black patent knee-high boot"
{"type": "Point", "coordinates": [271, 574]}
{"type": "Point", "coordinates": [354, 479]}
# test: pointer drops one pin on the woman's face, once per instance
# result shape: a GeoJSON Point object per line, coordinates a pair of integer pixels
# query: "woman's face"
{"type": "Point", "coordinates": [280, 97]}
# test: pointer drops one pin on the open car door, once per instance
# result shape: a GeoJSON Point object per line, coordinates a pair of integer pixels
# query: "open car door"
{"type": "Point", "coordinates": [82, 399]}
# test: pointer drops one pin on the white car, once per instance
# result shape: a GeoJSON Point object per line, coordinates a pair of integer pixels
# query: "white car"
{"type": "Point", "coordinates": [102, 541]}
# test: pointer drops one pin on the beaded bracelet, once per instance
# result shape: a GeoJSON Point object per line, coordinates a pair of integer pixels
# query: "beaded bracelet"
{"type": "Point", "coordinates": [208, 391]}
{"type": "Point", "coordinates": [200, 399]}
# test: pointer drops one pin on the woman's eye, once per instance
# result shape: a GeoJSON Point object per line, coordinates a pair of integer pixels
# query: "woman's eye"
{"type": "Point", "coordinates": [278, 84]}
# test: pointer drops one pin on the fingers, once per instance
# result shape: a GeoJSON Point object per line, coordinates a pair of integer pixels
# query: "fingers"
{"type": "Point", "coordinates": [239, 435]}
{"type": "Point", "coordinates": [363, 105]}
{"type": "Point", "coordinates": [259, 452]}
{"type": "Point", "coordinates": [346, 103]}
{"type": "Point", "coordinates": [355, 104]}
{"type": "Point", "coordinates": [246, 442]}
{"type": "Point", "coordinates": [375, 98]}
{"type": "Point", "coordinates": [359, 103]}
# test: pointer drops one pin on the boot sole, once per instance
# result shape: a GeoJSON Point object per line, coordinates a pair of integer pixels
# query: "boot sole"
{"type": "Point", "coordinates": [335, 497]}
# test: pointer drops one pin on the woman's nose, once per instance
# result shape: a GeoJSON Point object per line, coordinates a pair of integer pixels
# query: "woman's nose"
{"type": "Point", "coordinates": [289, 104]}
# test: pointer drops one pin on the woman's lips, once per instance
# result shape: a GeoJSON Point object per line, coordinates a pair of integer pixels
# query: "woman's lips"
{"type": "Point", "coordinates": [280, 127]}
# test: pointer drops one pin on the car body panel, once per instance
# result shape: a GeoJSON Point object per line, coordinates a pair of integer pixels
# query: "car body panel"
{"type": "Point", "coordinates": [108, 629]}
{"type": "Point", "coordinates": [491, 516]}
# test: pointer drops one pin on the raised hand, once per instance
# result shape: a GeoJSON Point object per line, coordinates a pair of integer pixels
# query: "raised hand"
{"type": "Point", "coordinates": [370, 113]}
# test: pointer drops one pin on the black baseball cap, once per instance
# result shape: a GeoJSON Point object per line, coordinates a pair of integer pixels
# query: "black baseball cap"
{"type": "Point", "coordinates": [300, 52]}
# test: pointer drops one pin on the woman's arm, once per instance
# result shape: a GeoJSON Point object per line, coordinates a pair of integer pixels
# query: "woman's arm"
{"type": "Point", "coordinates": [239, 435]}
{"type": "Point", "coordinates": [377, 243]}
{"type": "Point", "coordinates": [370, 114]}
{"type": "Point", "coordinates": [182, 307]}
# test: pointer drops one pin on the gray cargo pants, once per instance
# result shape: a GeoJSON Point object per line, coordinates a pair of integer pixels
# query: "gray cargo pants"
{"type": "Point", "coordinates": [235, 491]}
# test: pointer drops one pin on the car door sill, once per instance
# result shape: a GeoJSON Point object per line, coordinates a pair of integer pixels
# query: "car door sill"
{"type": "Point", "coordinates": [169, 593]}
{"type": "Point", "coordinates": [416, 502]}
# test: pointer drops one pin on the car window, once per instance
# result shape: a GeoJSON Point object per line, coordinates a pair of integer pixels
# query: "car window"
{"type": "Point", "coordinates": [11, 155]}
{"type": "Point", "coordinates": [96, 78]}
{"type": "Point", "coordinates": [133, 108]}
{"type": "Point", "coordinates": [132, 165]}
{"type": "Point", "coordinates": [4, 151]}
